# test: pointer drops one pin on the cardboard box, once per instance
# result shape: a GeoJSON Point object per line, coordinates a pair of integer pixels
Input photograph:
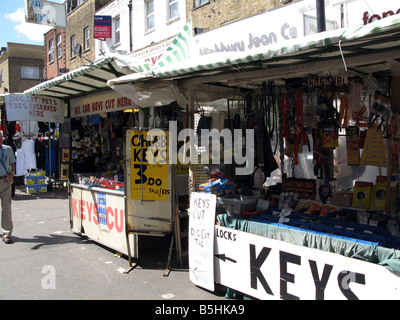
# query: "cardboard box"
{"type": "Point", "coordinates": [378, 196]}
{"type": "Point", "coordinates": [35, 180]}
{"type": "Point", "coordinates": [362, 195]}
{"type": "Point", "coordinates": [36, 188]}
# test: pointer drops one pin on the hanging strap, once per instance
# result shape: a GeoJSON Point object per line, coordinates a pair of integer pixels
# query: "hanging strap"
{"type": "Point", "coordinates": [344, 112]}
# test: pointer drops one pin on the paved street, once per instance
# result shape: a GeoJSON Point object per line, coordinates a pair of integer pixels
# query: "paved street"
{"type": "Point", "coordinates": [48, 261]}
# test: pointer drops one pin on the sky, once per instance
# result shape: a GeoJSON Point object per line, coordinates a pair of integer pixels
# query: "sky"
{"type": "Point", "coordinates": [13, 27]}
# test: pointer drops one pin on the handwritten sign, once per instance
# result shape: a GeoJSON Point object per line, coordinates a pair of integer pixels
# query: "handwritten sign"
{"type": "Point", "coordinates": [270, 269]}
{"type": "Point", "coordinates": [201, 239]}
{"type": "Point", "coordinates": [35, 108]}
{"type": "Point", "coordinates": [149, 165]}
{"type": "Point", "coordinates": [109, 101]}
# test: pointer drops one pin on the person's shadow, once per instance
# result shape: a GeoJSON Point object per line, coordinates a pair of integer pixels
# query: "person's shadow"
{"type": "Point", "coordinates": [51, 240]}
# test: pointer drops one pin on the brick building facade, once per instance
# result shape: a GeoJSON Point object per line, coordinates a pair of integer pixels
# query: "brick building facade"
{"type": "Point", "coordinates": [55, 52]}
{"type": "Point", "coordinates": [21, 67]}
{"type": "Point", "coordinates": [79, 33]}
{"type": "Point", "coordinates": [211, 14]}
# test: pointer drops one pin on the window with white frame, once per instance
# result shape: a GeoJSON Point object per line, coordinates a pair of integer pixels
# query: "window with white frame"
{"type": "Point", "coordinates": [31, 73]}
{"type": "Point", "coordinates": [51, 51]}
{"type": "Point", "coordinates": [73, 44]}
{"type": "Point", "coordinates": [173, 9]}
{"type": "Point", "coordinates": [86, 37]}
{"type": "Point", "coordinates": [198, 3]}
{"type": "Point", "coordinates": [59, 46]}
{"type": "Point", "coordinates": [149, 14]}
{"type": "Point", "coordinates": [117, 29]}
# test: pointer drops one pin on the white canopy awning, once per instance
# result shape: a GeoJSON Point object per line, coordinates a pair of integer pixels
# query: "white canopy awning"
{"type": "Point", "coordinates": [370, 48]}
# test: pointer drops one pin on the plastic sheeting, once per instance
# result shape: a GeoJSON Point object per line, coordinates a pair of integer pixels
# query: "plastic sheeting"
{"type": "Point", "coordinates": [388, 258]}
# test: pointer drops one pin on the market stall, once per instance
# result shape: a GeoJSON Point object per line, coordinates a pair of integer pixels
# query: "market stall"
{"type": "Point", "coordinates": [96, 152]}
{"type": "Point", "coordinates": [117, 194]}
{"type": "Point", "coordinates": [317, 216]}
{"type": "Point", "coordinates": [96, 158]}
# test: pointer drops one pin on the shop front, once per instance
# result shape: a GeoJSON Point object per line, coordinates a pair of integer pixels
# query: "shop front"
{"type": "Point", "coordinates": [115, 194]}
{"type": "Point", "coordinates": [96, 157]}
{"type": "Point", "coordinates": [306, 207]}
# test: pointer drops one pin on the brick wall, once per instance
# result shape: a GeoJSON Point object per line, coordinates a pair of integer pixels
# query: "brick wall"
{"type": "Point", "coordinates": [51, 67]}
{"type": "Point", "coordinates": [17, 56]}
{"type": "Point", "coordinates": [216, 13]}
{"type": "Point", "coordinates": [77, 20]}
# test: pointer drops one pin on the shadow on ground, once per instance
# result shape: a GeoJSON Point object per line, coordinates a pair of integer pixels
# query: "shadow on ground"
{"type": "Point", "coordinates": [53, 193]}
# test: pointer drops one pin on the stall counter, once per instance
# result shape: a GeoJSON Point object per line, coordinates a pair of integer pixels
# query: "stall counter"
{"type": "Point", "coordinates": [99, 214]}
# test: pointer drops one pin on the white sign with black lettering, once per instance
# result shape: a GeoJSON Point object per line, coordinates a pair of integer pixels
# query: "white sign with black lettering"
{"type": "Point", "coordinates": [270, 269]}
{"type": "Point", "coordinates": [34, 108]}
{"type": "Point", "coordinates": [201, 239]}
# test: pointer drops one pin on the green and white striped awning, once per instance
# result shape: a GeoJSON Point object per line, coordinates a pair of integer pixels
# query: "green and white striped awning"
{"type": "Point", "coordinates": [178, 51]}
{"type": "Point", "coordinates": [340, 48]}
{"type": "Point", "coordinates": [93, 78]}
{"type": "Point", "coordinates": [87, 79]}
{"type": "Point", "coordinates": [337, 47]}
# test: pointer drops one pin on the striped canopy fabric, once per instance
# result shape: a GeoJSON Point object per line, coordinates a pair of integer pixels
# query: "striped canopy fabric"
{"type": "Point", "coordinates": [178, 51]}
{"type": "Point", "coordinates": [93, 78]}
{"type": "Point", "coordinates": [87, 79]}
{"type": "Point", "coordinates": [320, 43]}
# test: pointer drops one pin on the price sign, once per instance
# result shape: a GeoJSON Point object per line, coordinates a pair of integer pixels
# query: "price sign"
{"type": "Point", "coordinates": [149, 165]}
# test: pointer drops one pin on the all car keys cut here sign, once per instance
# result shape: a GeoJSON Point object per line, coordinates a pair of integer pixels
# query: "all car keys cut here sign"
{"type": "Point", "coordinates": [34, 108]}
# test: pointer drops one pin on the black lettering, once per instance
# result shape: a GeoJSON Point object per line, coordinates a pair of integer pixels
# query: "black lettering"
{"type": "Point", "coordinates": [320, 284]}
{"type": "Point", "coordinates": [142, 169]}
{"type": "Point", "coordinates": [344, 280]}
{"type": "Point", "coordinates": [284, 259]}
{"type": "Point", "coordinates": [136, 155]}
{"type": "Point", "coordinates": [255, 265]}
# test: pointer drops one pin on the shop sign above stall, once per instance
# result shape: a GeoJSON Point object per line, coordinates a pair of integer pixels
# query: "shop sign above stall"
{"type": "Point", "coordinates": [152, 54]}
{"type": "Point", "coordinates": [268, 269]}
{"type": "Point", "coordinates": [280, 26]}
{"type": "Point", "coordinates": [99, 103]}
{"type": "Point", "coordinates": [46, 13]}
{"type": "Point", "coordinates": [260, 32]}
{"type": "Point", "coordinates": [34, 108]}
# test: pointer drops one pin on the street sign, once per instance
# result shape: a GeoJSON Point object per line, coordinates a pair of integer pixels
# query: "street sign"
{"type": "Point", "coordinates": [46, 13]}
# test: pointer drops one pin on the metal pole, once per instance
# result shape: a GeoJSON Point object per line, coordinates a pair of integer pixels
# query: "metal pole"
{"type": "Point", "coordinates": [321, 22]}
{"type": "Point", "coordinates": [130, 26]}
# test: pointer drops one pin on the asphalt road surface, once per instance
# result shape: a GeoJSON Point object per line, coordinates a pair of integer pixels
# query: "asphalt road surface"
{"type": "Point", "coordinates": [48, 261]}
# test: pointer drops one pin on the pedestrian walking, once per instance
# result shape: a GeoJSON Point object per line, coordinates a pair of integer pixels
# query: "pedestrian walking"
{"type": "Point", "coordinates": [7, 172]}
